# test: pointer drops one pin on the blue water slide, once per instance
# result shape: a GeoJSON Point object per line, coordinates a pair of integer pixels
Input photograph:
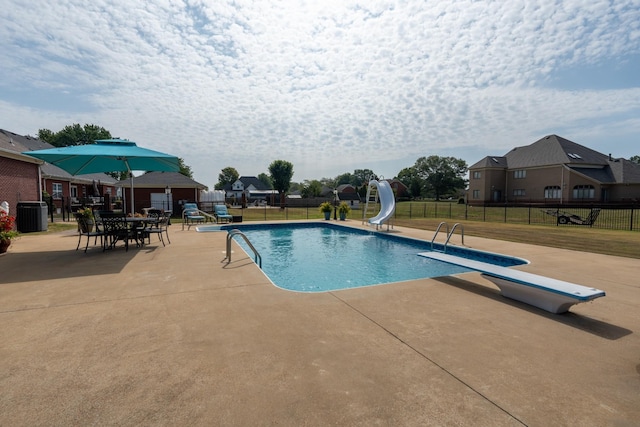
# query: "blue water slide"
{"type": "Point", "coordinates": [387, 202]}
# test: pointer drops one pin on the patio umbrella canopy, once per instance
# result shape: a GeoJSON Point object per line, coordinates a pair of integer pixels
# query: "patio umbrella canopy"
{"type": "Point", "coordinates": [108, 155]}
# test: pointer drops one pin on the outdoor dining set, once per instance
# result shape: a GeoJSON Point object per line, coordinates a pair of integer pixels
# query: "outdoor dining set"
{"type": "Point", "coordinates": [110, 228]}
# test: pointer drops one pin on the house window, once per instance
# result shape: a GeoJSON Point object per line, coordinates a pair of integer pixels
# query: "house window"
{"type": "Point", "coordinates": [521, 173]}
{"type": "Point", "coordinates": [476, 194]}
{"type": "Point", "coordinates": [519, 192]}
{"type": "Point", "coordinates": [552, 192]}
{"type": "Point", "coordinates": [477, 174]}
{"type": "Point", "coordinates": [584, 192]}
{"type": "Point", "coordinates": [56, 190]}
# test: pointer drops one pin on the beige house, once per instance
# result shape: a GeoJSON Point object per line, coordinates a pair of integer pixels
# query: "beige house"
{"type": "Point", "coordinates": [553, 170]}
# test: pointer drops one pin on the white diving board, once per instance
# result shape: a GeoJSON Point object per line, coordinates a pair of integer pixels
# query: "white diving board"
{"type": "Point", "coordinates": [555, 296]}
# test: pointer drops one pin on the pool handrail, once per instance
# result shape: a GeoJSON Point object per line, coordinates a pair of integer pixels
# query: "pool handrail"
{"type": "Point", "coordinates": [451, 234]}
{"type": "Point", "coordinates": [438, 230]}
{"type": "Point", "coordinates": [235, 232]}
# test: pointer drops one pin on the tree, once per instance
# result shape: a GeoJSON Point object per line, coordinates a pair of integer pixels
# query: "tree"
{"type": "Point", "coordinates": [345, 178]}
{"type": "Point", "coordinates": [185, 169]}
{"type": "Point", "coordinates": [265, 179]}
{"type": "Point", "coordinates": [281, 173]}
{"type": "Point", "coordinates": [410, 178]}
{"type": "Point", "coordinates": [635, 159]}
{"type": "Point", "coordinates": [362, 176]}
{"type": "Point", "coordinates": [228, 175]}
{"type": "Point", "coordinates": [74, 135]}
{"type": "Point", "coordinates": [311, 188]}
{"type": "Point", "coordinates": [442, 175]}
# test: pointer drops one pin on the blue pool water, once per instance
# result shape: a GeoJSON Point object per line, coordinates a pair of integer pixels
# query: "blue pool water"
{"type": "Point", "coordinates": [317, 257]}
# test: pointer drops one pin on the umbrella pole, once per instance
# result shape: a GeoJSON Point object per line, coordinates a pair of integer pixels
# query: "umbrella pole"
{"type": "Point", "coordinates": [131, 180]}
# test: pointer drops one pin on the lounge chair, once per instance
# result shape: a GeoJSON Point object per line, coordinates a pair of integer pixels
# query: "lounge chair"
{"type": "Point", "coordinates": [221, 214]}
{"type": "Point", "coordinates": [191, 215]}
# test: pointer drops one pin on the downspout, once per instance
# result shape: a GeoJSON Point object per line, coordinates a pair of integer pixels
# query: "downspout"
{"type": "Point", "coordinates": [562, 184]}
{"type": "Point", "coordinates": [41, 182]}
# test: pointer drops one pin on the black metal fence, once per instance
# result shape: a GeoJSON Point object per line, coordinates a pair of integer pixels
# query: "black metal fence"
{"type": "Point", "coordinates": [609, 217]}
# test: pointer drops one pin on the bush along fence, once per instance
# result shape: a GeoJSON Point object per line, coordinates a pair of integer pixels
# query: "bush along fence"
{"type": "Point", "coordinates": [609, 217]}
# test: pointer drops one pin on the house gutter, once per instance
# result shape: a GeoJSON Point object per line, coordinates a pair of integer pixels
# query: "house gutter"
{"type": "Point", "coordinates": [19, 156]}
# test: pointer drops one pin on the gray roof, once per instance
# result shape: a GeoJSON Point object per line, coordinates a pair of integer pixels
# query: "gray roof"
{"type": "Point", "coordinates": [161, 180]}
{"type": "Point", "coordinates": [553, 150]}
{"type": "Point", "coordinates": [491, 162]}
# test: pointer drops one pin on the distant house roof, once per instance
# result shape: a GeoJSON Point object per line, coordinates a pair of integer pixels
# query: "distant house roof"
{"type": "Point", "coordinates": [248, 181]}
{"type": "Point", "coordinates": [555, 150]}
{"type": "Point", "coordinates": [162, 180]}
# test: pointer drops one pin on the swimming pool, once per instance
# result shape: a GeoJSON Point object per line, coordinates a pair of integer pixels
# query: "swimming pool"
{"type": "Point", "coordinates": [319, 257]}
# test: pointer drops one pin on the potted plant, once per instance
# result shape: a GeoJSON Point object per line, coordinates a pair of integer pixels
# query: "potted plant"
{"type": "Point", "coordinates": [343, 210]}
{"type": "Point", "coordinates": [86, 219]}
{"type": "Point", "coordinates": [6, 231]}
{"type": "Point", "coordinates": [326, 207]}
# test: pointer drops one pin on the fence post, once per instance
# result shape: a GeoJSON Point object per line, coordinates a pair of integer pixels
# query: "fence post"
{"type": "Point", "coordinates": [631, 220]}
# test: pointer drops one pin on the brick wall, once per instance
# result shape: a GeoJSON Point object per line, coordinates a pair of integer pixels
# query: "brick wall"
{"type": "Point", "coordinates": [18, 182]}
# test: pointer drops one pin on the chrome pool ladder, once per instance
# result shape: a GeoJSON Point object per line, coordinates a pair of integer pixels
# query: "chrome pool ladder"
{"type": "Point", "coordinates": [449, 234]}
{"type": "Point", "coordinates": [235, 232]}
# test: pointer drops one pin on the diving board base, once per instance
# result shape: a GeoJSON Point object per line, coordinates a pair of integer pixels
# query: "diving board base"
{"type": "Point", "coordinates": [555, 296]}
{"type": "Point", "coordinates": [548, 301]}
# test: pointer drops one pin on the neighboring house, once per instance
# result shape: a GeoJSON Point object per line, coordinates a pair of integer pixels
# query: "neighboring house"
{"type": "Point", "coordinates": [553, 170]}
{"type": "Point", "coordinates": [19, 174]}
{"type": "Point", "coordinates": [399, 189]}
{"type": "Point", "coordinates": [162, 190]}
{"type": "Point", "coordinates": [253, 190]}
{"type": "Point", "coordinates": [67, 191]}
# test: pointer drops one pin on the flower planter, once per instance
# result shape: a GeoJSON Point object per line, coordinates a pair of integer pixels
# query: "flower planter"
{"type": "Point", "coordinates": [86, 226]}
{"type": "Point", "coordinates": [4, 245]}
{"type": "Point", "coordinates": [327, 215]}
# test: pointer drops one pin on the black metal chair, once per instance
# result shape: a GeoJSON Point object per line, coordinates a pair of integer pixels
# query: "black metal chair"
{"type": "Point", "coordinates": [88, 229]}
{"type": "Point", "coordinates": [158, 224]}
{"type": "Point", "coordinates": [116, 229]}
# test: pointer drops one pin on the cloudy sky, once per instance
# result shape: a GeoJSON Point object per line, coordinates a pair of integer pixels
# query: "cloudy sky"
{"type": "Point", "coordinates": [330, 86]}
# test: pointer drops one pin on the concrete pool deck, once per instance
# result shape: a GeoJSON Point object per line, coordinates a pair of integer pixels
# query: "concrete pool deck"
{"type": "Point", "coordinates": [173, 336]}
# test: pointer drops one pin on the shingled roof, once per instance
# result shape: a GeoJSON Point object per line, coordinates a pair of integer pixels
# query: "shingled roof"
{"type": "Point", "coordinates": [161, 180]}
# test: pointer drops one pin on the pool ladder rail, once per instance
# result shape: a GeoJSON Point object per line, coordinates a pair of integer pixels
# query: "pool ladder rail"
{"type": "Point", "coordinates": [449, 234]}
{"type": "Point", "coordinates": [235, 232]}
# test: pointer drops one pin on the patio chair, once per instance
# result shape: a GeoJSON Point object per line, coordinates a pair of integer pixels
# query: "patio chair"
{"type": "Point", "coordinates": [116, 229]}
{"type": "Point", "coordinates": [88, 230]}
{"type": "Point", "coordinates": [221, 214]}
{"type": "Point", "coordinates": [158, 225]}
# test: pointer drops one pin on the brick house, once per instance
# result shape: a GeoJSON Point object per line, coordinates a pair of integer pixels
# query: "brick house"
{"type": "Point", "coordinates": [19, 174]}
{"type": "Point", "coordinates": [68, 191]}
{"type": "Point", "coordinates": [553, 170]}
{"type": "Point", "coordinates": [162, 190]}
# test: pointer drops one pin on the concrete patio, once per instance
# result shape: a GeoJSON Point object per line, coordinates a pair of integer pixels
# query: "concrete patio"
{"type": "Point", "coordinates": [173, 336]}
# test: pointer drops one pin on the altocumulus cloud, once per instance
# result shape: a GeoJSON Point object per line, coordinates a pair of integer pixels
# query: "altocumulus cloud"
{"type": "Point", "coordinates": [330, 86]}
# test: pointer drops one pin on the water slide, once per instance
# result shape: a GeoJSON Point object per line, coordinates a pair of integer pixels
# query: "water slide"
{"type": "Point", "coordinates": [387, 202]}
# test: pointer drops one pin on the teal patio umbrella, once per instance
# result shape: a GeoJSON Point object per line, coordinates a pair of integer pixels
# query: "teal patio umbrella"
{"type": "Point", "coordinates": [108, 155]}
